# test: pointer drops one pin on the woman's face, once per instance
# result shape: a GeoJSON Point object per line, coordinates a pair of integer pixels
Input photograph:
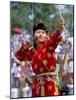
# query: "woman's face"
{"type": "Point", "coordinates": [40, 35]}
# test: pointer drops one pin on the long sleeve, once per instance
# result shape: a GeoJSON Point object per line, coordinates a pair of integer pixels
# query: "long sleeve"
{"type": "Point", "coordinates": [23, 54]}
{"type": "Point", "coordinates": [52, 43]}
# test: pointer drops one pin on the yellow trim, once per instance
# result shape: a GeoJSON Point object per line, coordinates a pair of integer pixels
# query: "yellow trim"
{"type": "Point", "coordinates": [42, 91]}
{"type": "Point", "coordinates": [56, 90]}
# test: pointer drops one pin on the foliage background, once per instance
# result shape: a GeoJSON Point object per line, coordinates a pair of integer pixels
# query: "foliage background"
{"type": "Point", "coordinates": [24, 15]}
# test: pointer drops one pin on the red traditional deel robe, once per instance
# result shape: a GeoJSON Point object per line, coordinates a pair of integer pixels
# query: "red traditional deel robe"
{"type": "Point", "coordinates": [43, 60]}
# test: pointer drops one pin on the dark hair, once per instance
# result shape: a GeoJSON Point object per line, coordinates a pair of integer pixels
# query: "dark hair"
{"type": "Point", "coordinates": [40, 26]}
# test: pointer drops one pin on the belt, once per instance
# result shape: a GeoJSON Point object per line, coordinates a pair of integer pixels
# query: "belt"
{"type": "Point", "coordinates": [57, 80]}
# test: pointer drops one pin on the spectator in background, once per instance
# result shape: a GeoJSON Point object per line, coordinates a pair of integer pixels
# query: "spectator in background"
{"type": "Point", "coordinates": [15, 79]}
{"type": "Point", "coordinates": [21, 73]}
{"type": "Point", "coordinates": [15, 71]}
{"type": "Point", "coordinates": [26, 79]}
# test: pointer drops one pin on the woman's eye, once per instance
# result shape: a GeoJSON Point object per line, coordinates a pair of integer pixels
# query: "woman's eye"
{"type": "Point", "coordinates": [42, 32]}
{"type": "Point", "coordinates": [39, 32]}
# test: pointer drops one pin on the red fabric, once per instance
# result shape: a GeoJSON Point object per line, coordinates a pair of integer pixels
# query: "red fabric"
{"type": "Point", "coordinates": [48, 88]}
{"type": "Point", "coordinates": [23, 54]}
{"type": "Point", "coordinates": [43, 60]}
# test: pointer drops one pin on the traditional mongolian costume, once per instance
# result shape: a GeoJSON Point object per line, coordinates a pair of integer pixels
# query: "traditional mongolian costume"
{"type": "Point", "coordinates": [46, 81]}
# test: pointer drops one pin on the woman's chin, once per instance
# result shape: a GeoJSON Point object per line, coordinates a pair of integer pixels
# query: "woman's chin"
{"type": "Point", "coordinates": [42, 40]}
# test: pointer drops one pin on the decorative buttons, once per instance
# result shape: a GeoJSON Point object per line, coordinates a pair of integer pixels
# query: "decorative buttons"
{"type": "Point", "coordinates": [35, 66]}
{"type": "Point", "coordinates": [48, 79]}
{"type": "Point", "coordinates": [49, 55]}
{"type": "Point", "coordinates": [44, 49]}
{"type": "Point", "coordinates": [41, 69]}
{"type": "Point", "coordinates": [49, 87]}
{"type": "Point", "coordinates": [39, 55]}
{"type": "Point", "coordinates": [45, 62]}
{"type": "Point", "coordinates": [52, 68]}
{"type": "Point", "coordinates": [50, 48]}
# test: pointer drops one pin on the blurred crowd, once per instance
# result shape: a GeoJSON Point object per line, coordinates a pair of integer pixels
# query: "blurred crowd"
{"type": "Point", "coordinates": [22, 76]}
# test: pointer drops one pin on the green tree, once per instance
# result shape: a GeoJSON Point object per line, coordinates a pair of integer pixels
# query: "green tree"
{"type": "Point", "coordinates": [25, 15]}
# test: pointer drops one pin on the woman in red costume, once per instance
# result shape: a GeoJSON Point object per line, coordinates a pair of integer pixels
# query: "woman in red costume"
{"type": "Point", "coordinates": [43, 59]}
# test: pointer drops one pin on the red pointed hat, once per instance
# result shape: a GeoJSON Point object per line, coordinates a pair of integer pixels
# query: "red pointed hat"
{"type": "Point", "coordinates": [18, 30]}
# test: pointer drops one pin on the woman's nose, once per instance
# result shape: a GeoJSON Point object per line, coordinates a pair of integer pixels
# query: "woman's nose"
{"type": "Point", "coordinates": [40, 33]}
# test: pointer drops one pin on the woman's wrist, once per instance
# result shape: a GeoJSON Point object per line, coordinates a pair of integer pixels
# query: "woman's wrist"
{"type": "Point", "coordinates": [61, 24]}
